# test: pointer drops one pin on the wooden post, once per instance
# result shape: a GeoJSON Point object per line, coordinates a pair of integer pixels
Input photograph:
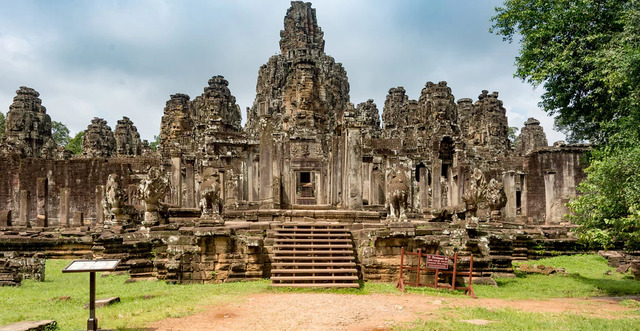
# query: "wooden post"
{"type": "Point", "coordinates": [92, 322]}
{"type": "Point", "coordinates": [418, 268]}
{"type": "Point", "coordinates": [400, 285]}
{"type": "Point", "coordinates": [455, 269]}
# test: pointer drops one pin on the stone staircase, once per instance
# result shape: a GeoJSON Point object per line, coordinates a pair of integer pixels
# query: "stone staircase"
{"type": "Point", "coordinates": [313, 255]}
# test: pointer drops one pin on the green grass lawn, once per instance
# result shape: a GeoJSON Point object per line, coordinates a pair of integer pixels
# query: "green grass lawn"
{"type": "Point", "coordinates": [143, 302]}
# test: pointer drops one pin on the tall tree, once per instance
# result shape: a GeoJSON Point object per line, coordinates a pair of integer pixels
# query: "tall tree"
{"type": "Point", "coordinates": [75, 143]}
{"type": "Point", "coordinates": [586, 54]}
{"type": "Point", "coordinates": [579, 50]}
{"type": "Point", "coordinates": [60, 133]}
{"type": "Point", "coordinates": [155, 143]}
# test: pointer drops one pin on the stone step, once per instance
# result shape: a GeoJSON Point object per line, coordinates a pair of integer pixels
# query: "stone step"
{"type": "Point", "coordinates": [313, 264]}
{"type": "Point", "coordinates": [313, 278]}
{"type": "Point", "coordinates": [353, 285]}
{"type": "Point", "coordinates": [311, 230]}
{"type": "Point", "coordinates": [323, 235]}
{"type": "Point", "coordinates": [312, 271]}
{"type": "Point", "coordinates": [30, 325]}
{"type": "Point", "coordinates": [311, 246]}
{"type": "Point", "coordinates": [307, 252]}
{"type": "Point", "coordinates": [313, 258]}
{"type": "Point", "coordinates": [324, 240]}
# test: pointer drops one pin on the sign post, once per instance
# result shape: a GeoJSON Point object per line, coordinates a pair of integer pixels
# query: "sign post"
{"type": "Point", "coordinates": [91, 266]}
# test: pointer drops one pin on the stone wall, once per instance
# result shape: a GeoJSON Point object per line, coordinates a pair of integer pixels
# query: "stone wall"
{"type": "Point", "coordinates": [552, 175]}
{"type": "Point", "coordinates": [80, 176]}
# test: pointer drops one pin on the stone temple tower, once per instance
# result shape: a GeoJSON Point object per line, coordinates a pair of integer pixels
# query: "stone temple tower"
{"type": "Point", "coordinates": [301, 96]}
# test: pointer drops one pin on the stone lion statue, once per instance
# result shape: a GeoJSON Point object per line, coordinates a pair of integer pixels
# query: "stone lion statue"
{"type": "Point", "coordinates": [397, 194]}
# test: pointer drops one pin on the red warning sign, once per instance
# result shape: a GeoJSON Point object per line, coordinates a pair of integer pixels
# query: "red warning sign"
{"type": "Point", "coordinates": [437, 261]}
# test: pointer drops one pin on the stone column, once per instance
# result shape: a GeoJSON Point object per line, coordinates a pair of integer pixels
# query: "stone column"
{"type": "Point", "coordinates": [523, 196]}
{"type": "Point", "coordinates": [190, 183]}
{"type": "Point", "coordinates": [176, 179]}
{"type": "Point", "coordinates": [265, 192]}
{"type": "Point", "coordinates": [78, 219]}
{"type": "Point", "coordinates": [98, 205]}
{"type": "Point", "coordinates": [549, 195]}
{"type": "Point", "coordinates": [42, 194]}
{"type": "Point", "coordinates": [5, 218]}
{"type": "Point", "coordinates": [65, 194]}
{"type": "Point", "coordinates": [436, 173]}
{"type": "Point", "coordinates": [353, 178]}
{"type": "Point", "coordinates": [25, 208]}
{"type": "Point", "coordinates": [424, 188]}
{"type": "Point", "coordinates": [276, 164]}
{"type": "Point", "coordinates": [509, 183]}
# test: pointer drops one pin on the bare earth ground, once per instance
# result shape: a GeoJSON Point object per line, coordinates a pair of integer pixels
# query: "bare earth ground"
{"type": "Point", "coordinates": [319, 311]}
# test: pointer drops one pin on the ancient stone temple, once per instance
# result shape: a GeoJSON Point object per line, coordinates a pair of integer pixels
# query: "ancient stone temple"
{"type": "Point", "coordinates": [219, 202]}
{"type": "Point", "coordinates": [28, 127]}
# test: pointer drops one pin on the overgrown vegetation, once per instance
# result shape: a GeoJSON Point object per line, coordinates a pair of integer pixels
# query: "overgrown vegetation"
{"type": "Point", "coordinates": [75, 143]}
{"type": "Point", "coordinates": [155, 143]}
{"type": "Point", "coordinates": [143, 302]}
{"type": "Point", "coordinates": [586, 54]}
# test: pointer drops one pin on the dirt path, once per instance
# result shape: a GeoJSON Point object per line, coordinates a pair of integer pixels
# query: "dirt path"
{"type": "Point", "coordinates": [317, 311]}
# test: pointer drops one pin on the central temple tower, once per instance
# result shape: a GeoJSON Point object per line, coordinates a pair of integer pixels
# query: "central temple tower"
{"type": "Point", "coordinates": [301, 96]}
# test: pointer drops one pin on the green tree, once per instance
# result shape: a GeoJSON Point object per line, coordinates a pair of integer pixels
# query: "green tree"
{"type": "Point", "coordinates": [584, 53]}
{"type": "Point", "coordinates": [75, 143]}
{"type": "Point", "coordinates": [2, 120]}
{"type": "Point", "coordinates": [608, 208]}
{"type": "Point", "coordinates": [513, 135]}
{"type": "Point", "coordinates": [60, 133]}
{"type": "Point", "coordinates": [155, 143]}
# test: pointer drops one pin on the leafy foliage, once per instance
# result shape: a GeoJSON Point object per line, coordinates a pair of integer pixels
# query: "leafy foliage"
{"type": "Point", "coordinates": [513, 135]}
{"type": "Point", "coordinates": [75, 143]}
{"type": "Point", "coordinates": [609, 205]}
{"type": "Point", "coordinates": [155, 143]}
{"type": "Point", "coordinates": [60, 133]}
{"type": "Point", "coordinates": [585, 54]}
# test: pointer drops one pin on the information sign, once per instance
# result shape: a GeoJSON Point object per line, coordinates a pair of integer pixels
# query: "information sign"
{"type": "Point", "coordinates": [437, 261]}
{"type": "Point", "coordinates": [91, 265]}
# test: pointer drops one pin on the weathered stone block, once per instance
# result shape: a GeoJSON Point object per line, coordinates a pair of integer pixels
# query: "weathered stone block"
{"type": "Point", "coordinates": [5, 218]}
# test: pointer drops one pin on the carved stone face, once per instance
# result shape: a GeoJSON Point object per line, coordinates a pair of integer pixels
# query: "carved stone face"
{"type": "Point", "coordinates": [16, 122]}
{"type": "Point", "coordinates": [305, 86]}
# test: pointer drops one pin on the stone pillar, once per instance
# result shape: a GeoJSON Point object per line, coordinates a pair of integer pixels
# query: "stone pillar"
{"type": "Point", "coordinates": [523, 196]}
{"type": "Point", "coordinates": [176, 179]}
{"type": "Point", "coordinates": [366, 182]}
{"type": "Point", "coordinates": [5, 218]}
{"type": "Point", "coordinates": [265, 192]}
{"type": "Point", "coordinates": [353, 178]}
{"type": "Point", "coordinates": [252, 168]}
{"type": "Point", "coordinates": [190, 183]}
{"type": "Point", "coordinates": [65, 194]}
{"type": "Point", "coordinates": [42, 194]}
{"type": "Point", "coordinates": [424, 188]}
{"type": "Point", "coordinates": [509, 183]}
{"type": "Point", "coordinates": [549, 195]}
{"type": "Point", "coordinates": [288, 179]}
{"type": "Point", "coordinates": [98, 205]}
{"type": "Point", "coordinates": [436, 173]}
{"type": "Point", "coordinates": [78, 219]}
{"type": "Point", "coordinates": [276, 164]}
{"type": "Point", "coordinates": [25, 208]}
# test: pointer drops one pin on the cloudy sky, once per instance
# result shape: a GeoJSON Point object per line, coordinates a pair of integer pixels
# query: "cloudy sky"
{"type": "Point", "coordinates": [124, 58]}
